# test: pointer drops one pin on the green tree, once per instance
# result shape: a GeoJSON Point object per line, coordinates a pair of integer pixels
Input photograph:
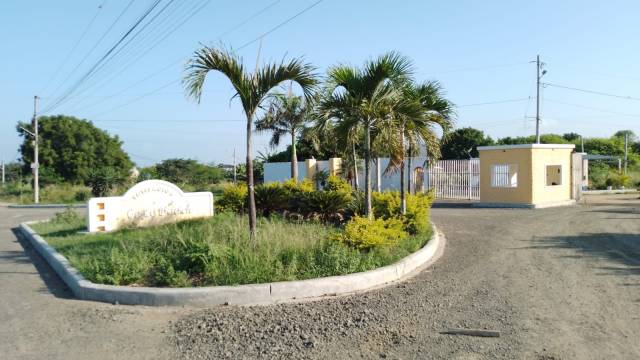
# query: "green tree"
{"type": "Point", "coordinates": [463, 143]}
{"type": "Point", "coordinates": [71, 148]}
{"type": "Point", "coordinates": [571, 137]}
{"type": "Point", "coordinates": [632, 137]}
{"type": "Point", "coordinates": [188, 171]}
{"type": "Point", "coordinates": [13, 172]}
{"type": "Point", "coordinates": [287, 115]}
{"type": "Point", "coordinates": [360, 99]}
{"type": "Point", "coordinates": [251, 89]}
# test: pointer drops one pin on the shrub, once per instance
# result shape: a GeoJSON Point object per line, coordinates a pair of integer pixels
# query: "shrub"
{"type": "Point", "coordinates": [386, 205]}
{"type": "Point", "coordinates": [298, 186]}
{"type": "Point", "coordinates": [329, 206]}
{"type": "Point", "coordinates": [102, 181]}
{"type": "Point", "coordinates": [82, 195]}
{"type": "Point", "coordinates": [68, 216]}
{"type": "Point", "coordinates": [234, 199]}
{"type": "Point", "coordinates": [364, 234]}
{"type": "Point", "coordinates": [164, 274]}
{"type": "Point", "coordinates": [336, 183]}
{"type": "Point", "coordinates": [618, 181]}
{"type": "Point", "coordinates": [272, 197]}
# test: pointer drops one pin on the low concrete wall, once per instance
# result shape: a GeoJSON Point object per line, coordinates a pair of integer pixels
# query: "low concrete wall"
{"type": "Point", "coordinates": [252, 294]}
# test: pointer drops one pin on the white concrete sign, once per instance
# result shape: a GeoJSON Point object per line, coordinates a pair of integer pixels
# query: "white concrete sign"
{"type": "Point", "coordinates": [148, 203]}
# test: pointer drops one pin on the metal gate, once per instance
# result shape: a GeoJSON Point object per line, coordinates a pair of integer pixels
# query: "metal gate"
{"type": "Point", "coordinates": [454, 179]}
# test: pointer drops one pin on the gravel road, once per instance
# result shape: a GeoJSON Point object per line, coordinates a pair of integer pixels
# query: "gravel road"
{"type": "Point", "coordinates": [558, 283]}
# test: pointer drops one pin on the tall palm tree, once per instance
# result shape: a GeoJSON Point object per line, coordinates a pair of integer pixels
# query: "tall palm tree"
{"type": "Point", "coordinates": [287, 115]}
{"type": "Point", "coordinates": [361, 98]}
{"type": "Point", "coordinates": [251, 88]}
{"type": "Point", "coordinates": [424, 107]}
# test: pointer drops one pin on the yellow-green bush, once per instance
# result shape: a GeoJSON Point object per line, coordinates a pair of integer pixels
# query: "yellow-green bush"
{"type": "Point", "coordinates": [234, 199]}
{"type": "Point", "coordinates": [336, 183]}
{"type": "Point", "coordinates": [298, 186]}
{"type": "Point", "coordinates": [362, 233]}
{"type": "Point", "coordinates": [386, 205]}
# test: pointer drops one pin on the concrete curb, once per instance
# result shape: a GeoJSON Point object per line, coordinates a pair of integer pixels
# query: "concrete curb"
{"type": "Point", "coordinates": [252, 294]}
{"type": "Point", "coordinates": [46, 206]}
{"type": "Point", "coordinates": [607, 192]}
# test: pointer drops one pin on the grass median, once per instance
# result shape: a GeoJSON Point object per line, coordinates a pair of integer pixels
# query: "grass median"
{"type": "Point", "coordinates": [215, 251]}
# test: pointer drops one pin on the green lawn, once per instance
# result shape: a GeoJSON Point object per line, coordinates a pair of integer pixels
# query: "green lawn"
{"type": "Point", "coordinates": [214, 251]}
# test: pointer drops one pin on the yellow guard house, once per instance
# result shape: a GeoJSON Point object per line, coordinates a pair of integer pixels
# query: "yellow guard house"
{"type": "Point", "coordinates": [527, 175]}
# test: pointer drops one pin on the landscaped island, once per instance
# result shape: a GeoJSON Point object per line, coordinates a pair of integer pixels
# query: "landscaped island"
{"type": "Point", "coordinates": [303, 233]}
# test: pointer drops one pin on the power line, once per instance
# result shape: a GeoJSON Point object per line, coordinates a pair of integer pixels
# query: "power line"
{"type": "Point", "coordinates": [113, 24]}
{"type": "Point", "coordinates": [171, 64]}
{"type": "Point", "coordinates": [171, 121]}
{"type": "Point", "coordinates": [74, 47]}
{"type": "Point", "coordinates": [239, 48]}
{"type": "Point", "coordinates": [129, 62]}
{"type": "Point", "coordinates": [280, 25]}
{"type": "Point", "coordinates": [113, 48]}
{"type": "Point", "coordinates": [476, 68]}
{"type": "Point", "coordinates": [497, 102]}
{"type": "Point", "coordinates": [593, 92]}
{"type": "Point", "coordinates": [592, 108]}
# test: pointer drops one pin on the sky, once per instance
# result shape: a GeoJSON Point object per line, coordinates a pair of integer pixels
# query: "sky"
{"type": "Point", "coordinates": [481, 52]}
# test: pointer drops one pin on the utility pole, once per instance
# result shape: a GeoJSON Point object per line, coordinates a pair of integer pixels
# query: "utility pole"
{"type": "Point", "coordinates": [539, 76]}
{"type": "Point", "coordinates": [36, 163]}
{"type": "Point", "coordinates": [626, 148]}
{"type": "Point", "coordinates": [581, 144]}
{"type": "Point", "coordinates": [2, 173]}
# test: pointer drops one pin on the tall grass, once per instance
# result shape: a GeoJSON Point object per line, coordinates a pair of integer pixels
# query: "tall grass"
{"type": "Point", "coordinates": [214, 251]}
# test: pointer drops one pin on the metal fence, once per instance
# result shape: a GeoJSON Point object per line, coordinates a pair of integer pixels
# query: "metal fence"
{"type": "Point", "coordinates": [454, 179]}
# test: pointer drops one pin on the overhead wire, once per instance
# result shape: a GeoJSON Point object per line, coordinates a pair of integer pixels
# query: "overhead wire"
{"type": "Point", "coordinates": [73, 48]}
{"type": "Point", "coordinates": [271, 30]}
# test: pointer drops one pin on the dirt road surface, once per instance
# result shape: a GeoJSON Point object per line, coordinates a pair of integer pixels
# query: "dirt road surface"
{"type": "Point", "coordinates": [559, 283]}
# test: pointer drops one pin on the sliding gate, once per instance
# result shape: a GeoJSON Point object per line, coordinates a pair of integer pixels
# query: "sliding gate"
{"type": "Point", "coordinates": [454, 179]}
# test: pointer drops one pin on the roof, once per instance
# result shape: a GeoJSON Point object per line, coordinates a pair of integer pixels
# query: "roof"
{"type": "Point", "coordinates": [527, 146]}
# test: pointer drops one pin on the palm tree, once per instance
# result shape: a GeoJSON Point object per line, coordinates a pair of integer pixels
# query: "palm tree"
{"type": "Point", "coordinates": [361, 98]}
{"type": "Point", "coordinates": [251, 89]}
{"type": "Point", "coordinates": [287, 115]}
{"type": "Point", "coordinates": [422, 107]}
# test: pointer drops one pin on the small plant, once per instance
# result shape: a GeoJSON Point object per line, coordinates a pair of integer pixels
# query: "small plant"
{"type": "Point", "coordinates": [234, 199]}
{"type": "Point", "coordinates": [362, 233]}
{"type": "Point", "coordinates": [82, 195]}
{"type": "Point", "coordinates": [328, 206]}
{"type": "Point", "coordinates": [103, 180]}
{"type": "Point", "coordinates": [68, 216]}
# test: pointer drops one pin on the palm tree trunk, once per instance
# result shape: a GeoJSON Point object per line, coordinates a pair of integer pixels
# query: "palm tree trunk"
{"type": "Point", "coordinates": [403, 198]}
{"type": "Point", "coordinates": [355, 167]}
{"type": "Point", "coordinates": [294, 157]}
{"type": "Point", "coordinates": [367, 170]}
{"type": "Point", "coordinates": [250, 186]}
{"type": "Point", "coordinates": [410, 168]}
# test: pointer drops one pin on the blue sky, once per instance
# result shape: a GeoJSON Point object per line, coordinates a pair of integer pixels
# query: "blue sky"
{"type": "Point", "coordinates": [479, 51]}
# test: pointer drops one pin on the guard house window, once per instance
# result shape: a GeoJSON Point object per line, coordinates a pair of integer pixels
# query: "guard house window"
{"type": "Point", "coordinates": [504, 175]}
{"type": "Point", "coordinates": [554, 175]}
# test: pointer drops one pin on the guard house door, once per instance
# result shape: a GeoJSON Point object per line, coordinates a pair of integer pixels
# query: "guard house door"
{"type": "Point", "coordinates": [454, 179]}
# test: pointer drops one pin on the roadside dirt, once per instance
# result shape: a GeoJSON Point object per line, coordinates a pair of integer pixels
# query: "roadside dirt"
{"type": "Point", "coordinates": [558, 283]}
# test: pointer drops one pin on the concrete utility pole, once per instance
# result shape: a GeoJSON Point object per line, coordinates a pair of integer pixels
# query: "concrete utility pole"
{"type": "Point", "coordinates": [2, 173]}
{"type": "Point", "coordinates": [36, 163]}
{"type": "Point", "coordinates": [626, 148]}
{"type": "Point", "coordinates": [582, 144]}
{"type": "Point", "coordinates": [539, 76]}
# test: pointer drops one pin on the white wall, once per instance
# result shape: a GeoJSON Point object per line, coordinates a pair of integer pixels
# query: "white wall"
{"type": "Point", "coordinates": [281, 171]}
